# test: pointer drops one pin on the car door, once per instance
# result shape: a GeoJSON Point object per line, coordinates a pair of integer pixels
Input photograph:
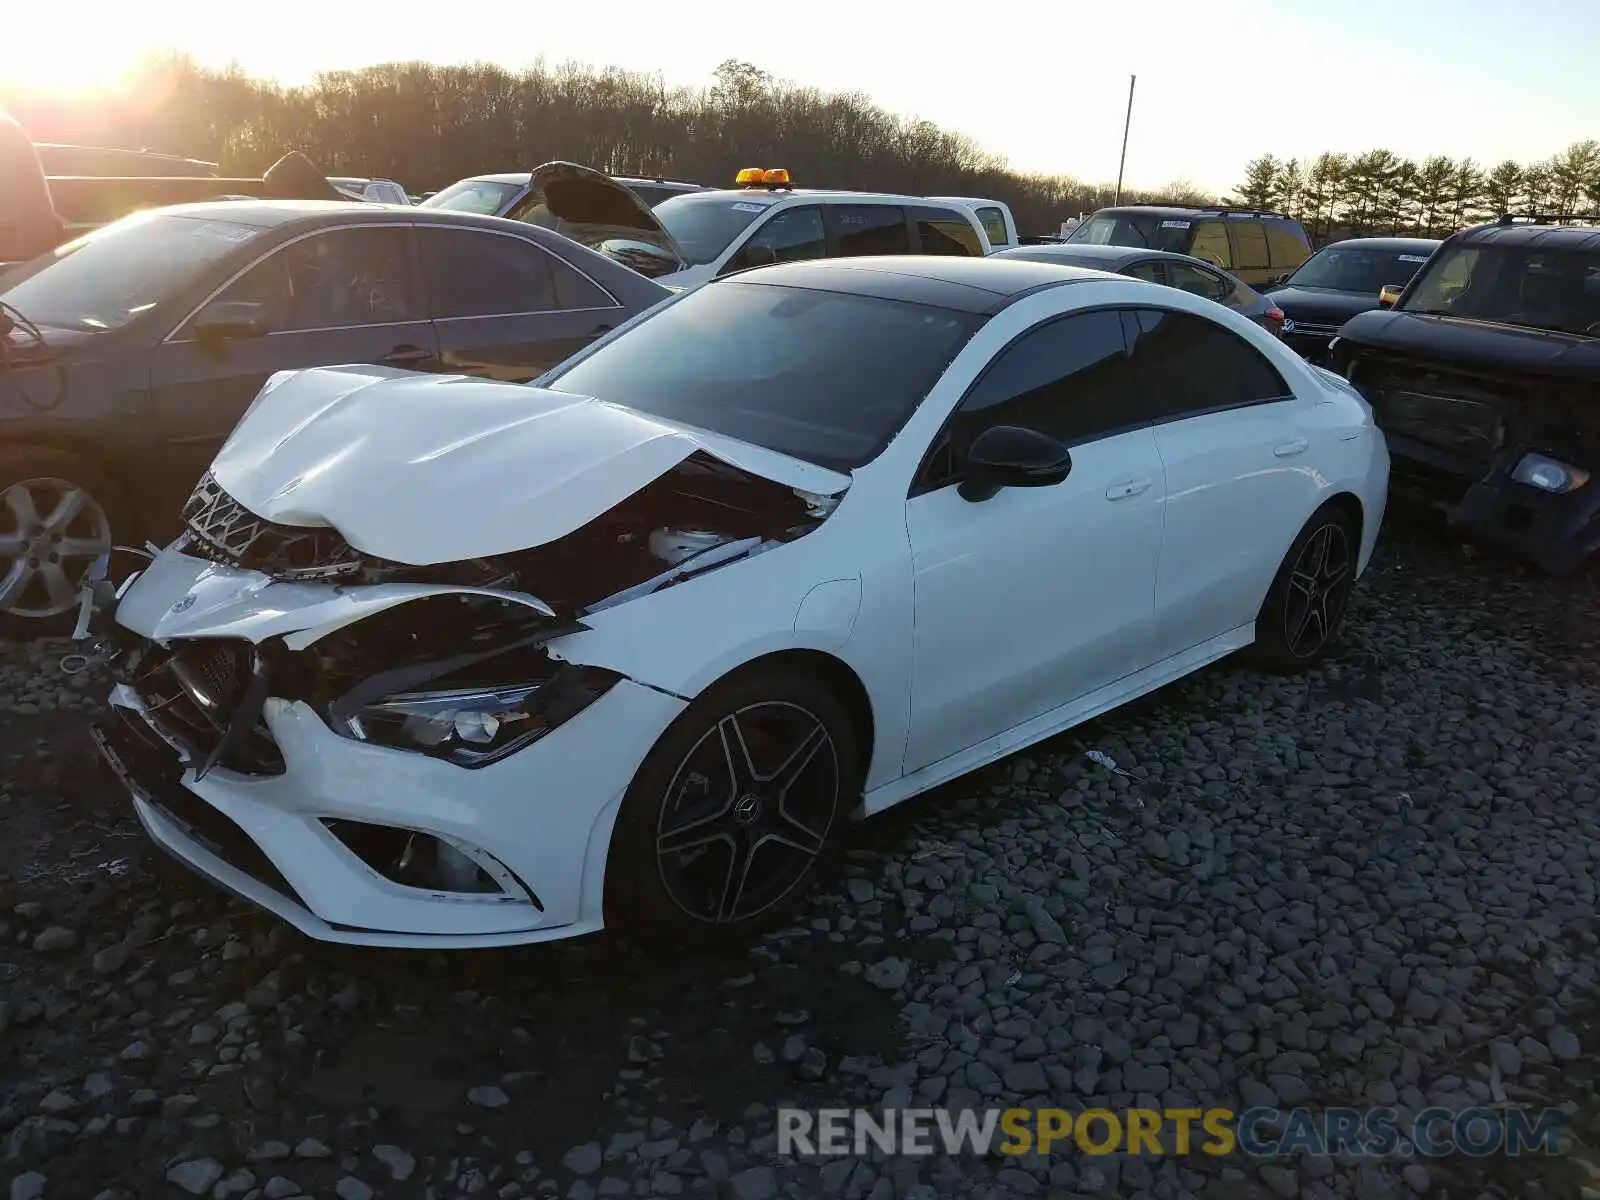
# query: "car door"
{"type": "Point", "coordinates": [506, 308]}
{"type": "Point", "coordinates": [1209, 243]}
{"type": "Point", "coordinates": [789, 235]}
{"type": "Point", "coordinates": [1238, 453]}
{"type": "Point", "coordinates": [330, 297]}
{"type": "Point", "coordinates": [1036, 596]}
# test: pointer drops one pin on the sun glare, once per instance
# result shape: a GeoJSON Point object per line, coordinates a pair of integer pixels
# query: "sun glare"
{"type": "Point", "coordinates": [39, 57]}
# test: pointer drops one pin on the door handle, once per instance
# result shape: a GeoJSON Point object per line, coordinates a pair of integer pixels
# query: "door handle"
{"type": "Point", "coordinates": [1291, 448]}
{"type": "Point", "coordinates": [1124, 488]}
{"type": "Point", "coordinates": [401, 355]}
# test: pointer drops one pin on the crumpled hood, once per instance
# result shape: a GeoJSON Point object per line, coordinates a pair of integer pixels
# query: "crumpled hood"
{"type": "Point", "coordinates": [423, 469]}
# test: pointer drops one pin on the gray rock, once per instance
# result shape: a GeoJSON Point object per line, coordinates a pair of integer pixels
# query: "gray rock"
{"type": "Point", "coordinates": [311, 1147]}
{"type": "Point", "coordinates": [351, 1188]}
{"type": "Point", "coordinates": [400, 1164]}
{"type": "Point", "coordinates": [861, 890]}
{"type": "Point", "coordinates": [28, 1186]}
{"type": "Point", "coordinates": [1563, 1044]}
{"type": "Point", "coordinates": [111, 959]}
{"type": "Point", "coordinates": [267, 1152]}
{"type": "Point", "coordinates": [1417, 1178]}
{"type": "Point", "coordinates": [1282, 1180]}
{"type": "Point", "coordinates": [755, 1183]}
{"type": "Point", "coordinates": [888, 973]}
{"type": "Point", "coordinates": [487, 1096]}
{"type": "Point", "coordinates": [55, 939]}
{"type": "Point", "coordinates": [585, 1159]}
{"type": "Point", "coordinates": [1506, 1056]}
{"type": "Point", "coordinates": [237, 1184]}
{"type": "Point", "coordinates": [280, 1188]}
{"type": "Point", "coordinates": [195, 1176]}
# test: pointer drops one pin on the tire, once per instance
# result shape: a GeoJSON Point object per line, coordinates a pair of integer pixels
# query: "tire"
{"type": "Point", "coordinates": [781, 811]}
{"type": "Point", "coordinates": [1304, 610]}
{"type": "Point", "coordinates": [36, 484]}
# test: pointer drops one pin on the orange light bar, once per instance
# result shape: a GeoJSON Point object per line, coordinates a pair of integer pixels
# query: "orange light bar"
{"type": "Point", "coordinates": [776, 177]}
{"type": "Point", "coordinates": [750, 177]}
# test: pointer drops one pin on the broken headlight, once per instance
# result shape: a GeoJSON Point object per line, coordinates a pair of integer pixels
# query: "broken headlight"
{"type": "Point", "coordinates": [1549, 474]}
{"type": "Point", "coordinates": [473, 727]}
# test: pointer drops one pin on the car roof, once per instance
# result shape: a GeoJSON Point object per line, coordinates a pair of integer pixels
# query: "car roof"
{"type": "Point", "coordinates": [1401, 244]}
{"type": "Point", "coordinates": [972, 285]}
{"type": "Point", "coordinates": [1113, 257]}
{"type": "Point", "coordinates": [825, 195]}
{"type": "Point", "coordinates": [1549, 237]}
{"type": "Point", "coordinates": [269, 214]}
{"type": "Point", "coordinates": [1185, 210]}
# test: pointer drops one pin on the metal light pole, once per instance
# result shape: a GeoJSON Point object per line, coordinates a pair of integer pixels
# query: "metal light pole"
{"type": "Point", "coordinates": [1125, 124]}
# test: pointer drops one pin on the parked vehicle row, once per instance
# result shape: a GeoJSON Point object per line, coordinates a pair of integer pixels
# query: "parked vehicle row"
{"type": "Point", "coordinates": [458, 662]}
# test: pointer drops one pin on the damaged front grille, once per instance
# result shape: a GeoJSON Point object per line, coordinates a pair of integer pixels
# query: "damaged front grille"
{"type": "Point", "coordinates": [192, 694]}
{"type": "Point", "coordinates": [224, 531]}
{"type": "Point", "coordinates": [1454, 411]}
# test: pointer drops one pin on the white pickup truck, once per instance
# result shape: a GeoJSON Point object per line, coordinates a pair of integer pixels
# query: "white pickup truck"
{"type": "Point", "coordinates": [998, 224]}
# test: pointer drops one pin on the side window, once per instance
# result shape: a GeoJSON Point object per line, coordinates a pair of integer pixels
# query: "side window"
{"type": "Point", "coordinates": [870, 229]}
{"type": "Point", "coordinates": [1287, 250]}
{"type": "Point", "coordinates": [945, 231]}
{"type": "Point", "coordinates": [1199, 281]}
{"type": "Point", "coordinates": [1151, 270]}
{"type": "Point", "coordinates": [792, 236]}
{"type": "Point", "coordinates": [1070, 378]}
{"type": "Point", "coordinates": [994, 226]}
{"type": "Point", "coordinates": [333, 280]}
{"type": "Point", "coordinates": [1186, 365]}
{"type": "Point", "coordinates": [574, 289]}
{"type": "Point", "coordinates": [471, 274]}
{"type": "Point", "coordinates": [1249, 245]}
{"type": "Point", "coordinates": [1210, 244]}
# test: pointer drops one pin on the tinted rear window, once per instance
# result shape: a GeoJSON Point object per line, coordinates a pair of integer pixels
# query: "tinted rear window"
{"type": "Point", "coordinates": [741, 359]}
{"type": "Point", "coordinates": [945, 231]}
{"type": "Point", "coordinates": [1148, 231]}
{"type": "Point", "coordinates": [994, 226]}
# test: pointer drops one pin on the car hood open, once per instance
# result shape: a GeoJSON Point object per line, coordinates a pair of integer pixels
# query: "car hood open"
{"type": "Point", "coordinates": [423, 469]}
{"type": "Point", "coordinates": [592, 208]}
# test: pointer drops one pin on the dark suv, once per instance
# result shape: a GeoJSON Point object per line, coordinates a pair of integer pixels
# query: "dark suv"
{"type": "Point", "coordinates": [1258, 248]}
{"type": "Point", "coordinates": [1485, 376]}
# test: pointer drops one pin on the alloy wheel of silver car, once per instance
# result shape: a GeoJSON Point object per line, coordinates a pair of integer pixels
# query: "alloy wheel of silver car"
{"type": "Point", "coordinates": [748, 812]}
{"type": "Point", "coordinates": [51, 531]}
{"type": "Point", "coordinates": [1319, 585]}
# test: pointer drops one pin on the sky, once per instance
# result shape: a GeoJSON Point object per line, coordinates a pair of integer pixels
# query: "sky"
{"type": "Point", "coordinates": [1043, 83]}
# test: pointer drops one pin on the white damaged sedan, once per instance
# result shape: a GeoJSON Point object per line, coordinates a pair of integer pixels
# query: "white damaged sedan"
{"type": "Point", "coordinates": [452, 663]}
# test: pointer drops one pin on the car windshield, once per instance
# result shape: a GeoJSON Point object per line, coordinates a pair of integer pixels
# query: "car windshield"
{"type": "Point", "coordinates": [798, 371]}
{"type": "Point", "coordinates": [108, 277]}
{"type": "Point", "coordinates": [1513, 285]}
{"type": "Point", "coordinates": [1148, 231]}
{"type": "Point", "coordinates": [704, 224]}
{"type": "Point", "coordinates": [1362, 269]}
{"type": "Point", "coordinates": [482, 196]}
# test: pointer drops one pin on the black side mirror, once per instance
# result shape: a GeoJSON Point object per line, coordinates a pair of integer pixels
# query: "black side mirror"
{"type": "Point", "coordinates": [1005, 456]}
{"type": "Point", "coordinates": [225, 320]}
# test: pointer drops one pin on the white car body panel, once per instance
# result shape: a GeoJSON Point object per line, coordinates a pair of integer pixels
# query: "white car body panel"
{"type": "Point", "coordinates": [973, 204]}
{"type": "Point", "coordinates": [973, 629]}
{"type": "Point", "coordinates": [400, 469]}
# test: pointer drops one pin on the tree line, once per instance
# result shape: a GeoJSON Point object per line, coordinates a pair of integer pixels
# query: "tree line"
{"type": "Point", "coordinates": [1380, 192]}
{"type": "Point", "coordinates": [427, 126]}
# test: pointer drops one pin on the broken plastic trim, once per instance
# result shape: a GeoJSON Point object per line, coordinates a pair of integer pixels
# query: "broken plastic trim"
{"type": "Point", "coordinates": [430, 862]}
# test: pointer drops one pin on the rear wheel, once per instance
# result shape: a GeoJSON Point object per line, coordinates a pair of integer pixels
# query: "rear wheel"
{"type": "Point", "coordinates": [55, 520]}
{"type": "Point", "coordinates": [1304, 610]}
{"type": "Point", "coordinates": [736, 812]}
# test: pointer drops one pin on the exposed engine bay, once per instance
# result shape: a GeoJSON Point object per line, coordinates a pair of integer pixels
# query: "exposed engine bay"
{"type": "Point", "coordinates": [702, 513]}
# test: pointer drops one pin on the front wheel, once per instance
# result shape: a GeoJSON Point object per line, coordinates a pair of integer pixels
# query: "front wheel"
{"type": "Point", "coordinates": [1301, 617]}
{"type": "Point", "coordinates": [54, 522]}
{"type": "Point", "coordinates": [736, 812]}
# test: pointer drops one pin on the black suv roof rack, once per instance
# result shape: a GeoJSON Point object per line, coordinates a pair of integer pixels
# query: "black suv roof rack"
{"type": "Point", "coordinates": [1546, 218]}
{"type": "Point", "coordinates": [1229, 209]}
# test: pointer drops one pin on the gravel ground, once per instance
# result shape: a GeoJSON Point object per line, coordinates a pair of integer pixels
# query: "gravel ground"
{"type": "Point", "coordinates": [1374, 885]}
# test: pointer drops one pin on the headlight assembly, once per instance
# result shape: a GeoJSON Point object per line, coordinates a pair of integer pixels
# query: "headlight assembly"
{"type": "Point", "coordinates": [471, 727]}
{"type": "Point", "coordinates": [1549, 474]}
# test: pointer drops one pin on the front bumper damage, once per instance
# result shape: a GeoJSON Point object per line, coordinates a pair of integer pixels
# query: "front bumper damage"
{"type": "Point", "coordinates": [303, 822]}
